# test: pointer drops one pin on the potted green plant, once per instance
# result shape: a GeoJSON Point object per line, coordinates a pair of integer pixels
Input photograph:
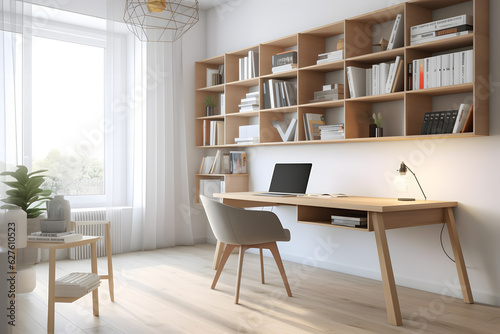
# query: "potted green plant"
{"type": "Point", "coordinates": [209, 103]}
{"type": "Point", "coordinates": [377, 118]}
{"type": "Point", "coordinates": [27, 192]}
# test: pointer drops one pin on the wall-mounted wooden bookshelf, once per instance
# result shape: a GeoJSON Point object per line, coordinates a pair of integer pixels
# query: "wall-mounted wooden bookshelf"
{"type": "Point", "coordinates": [359, 34]}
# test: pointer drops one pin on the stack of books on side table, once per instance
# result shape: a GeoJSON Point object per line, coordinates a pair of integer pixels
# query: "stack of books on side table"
{"type": "Point", "coordinates": [349, 221]}
{"type": "Point", "coordinates": [76, 284]}
{"type": "Point", "coordinates": [61, 237]}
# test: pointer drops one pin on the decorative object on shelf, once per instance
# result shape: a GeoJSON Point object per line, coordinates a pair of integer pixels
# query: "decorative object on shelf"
{"type": "Point", "coordinates": [340, 44]}
{"type": "Point", "coordinates": [379, 130]}
{"type": "Point", "coordinates": [371, 130]}
{"type": "Point", "coordinates": [160, 20]}
{"type": "Point", "coordinates": [383, 44]}
{"type": "Point", "coordinates": [27, 192]}
{"type": "Point", "coordinates": [58, 209]}
{"type": "Point", "coordinates": [209, 103]}
{"type": "Point", "coordinates": [52, 225]}
{"type": "Point", "coordinates": [402, 171]}
{"type": "Point", "coordinates": [13, 228]}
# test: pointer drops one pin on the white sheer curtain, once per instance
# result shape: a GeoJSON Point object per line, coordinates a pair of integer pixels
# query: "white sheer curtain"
{"type": "Point", "coordinates": [158, 173]}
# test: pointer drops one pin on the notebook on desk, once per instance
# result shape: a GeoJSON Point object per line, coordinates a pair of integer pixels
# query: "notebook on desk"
{"type": "Point", "coordinates": [289, 179]}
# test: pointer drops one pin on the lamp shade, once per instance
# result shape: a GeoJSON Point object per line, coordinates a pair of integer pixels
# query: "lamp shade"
{"type": "Point", "coordinates": [160, 20]}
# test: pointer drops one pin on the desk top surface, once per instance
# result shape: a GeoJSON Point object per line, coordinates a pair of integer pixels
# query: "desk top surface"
{"type": "Point", "coordinates": [374, 204]}
{"type": "Point", "coordinates": [60, 245]}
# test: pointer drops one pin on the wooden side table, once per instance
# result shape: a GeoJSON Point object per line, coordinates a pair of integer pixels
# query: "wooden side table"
{"type": "Point", "coordinates": [52, 299]}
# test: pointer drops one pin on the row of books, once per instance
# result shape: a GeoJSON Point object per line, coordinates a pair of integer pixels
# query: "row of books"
{"type": "Point", "coordinates": [312, 123]}
{"type": "Point", "coordinates": [444, 70]}
{"type": "Point", "coordinates": [284, 61]}
{"type": "Point", "coordinates": [350, 221]}
{"type": "Point", "coordinates": [249, 66]}
{"type": "Point", "coordinates": [279, 93]}
{"type": "Point", "coordinates": [60, 237]}
{"type": "Point", "coordinates": [213, 133]}
{"type": "Point", "coordinates": [215, 76]}
{"type": "Point", "coordinates": [330, 56]}
{"type": "Point", "coordinates": [381, 78]}
{"type": "Point", "coordinates": [451, 121]}
{"type": "Point", "coordinates": [330, 92]}
{"type": "Point", "coordinates": [234, 162]}
{"type": "Point", "coordinates": [250, 102]}
{"type": "Point", "coordinates": [441, 29]}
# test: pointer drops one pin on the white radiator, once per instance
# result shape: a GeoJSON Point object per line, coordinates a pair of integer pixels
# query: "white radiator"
{"type": "Point", "coordinates": [119, 218]}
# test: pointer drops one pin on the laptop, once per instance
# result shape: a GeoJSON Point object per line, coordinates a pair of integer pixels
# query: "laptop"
{"type": "Point", "coordinates": [289, 179]}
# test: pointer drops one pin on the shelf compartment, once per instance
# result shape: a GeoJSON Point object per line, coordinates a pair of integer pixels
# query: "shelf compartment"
{"type": "Point", "coordinates": [233, 183]}
{"type": "Point", "coordinates": [201, 70]}
{"type": "Point", "coordinates": [317, 41]}
{"type": "Point", "coordinates": [269, 49]}
{"type": "Point", "coordinates": [322, 217]}
{"type": "Point", "coordinates": [268, 133]}
{"type": "Point", "coordinates": [312, 81]}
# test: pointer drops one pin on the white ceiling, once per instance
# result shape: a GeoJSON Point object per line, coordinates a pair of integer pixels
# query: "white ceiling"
{"type": "Point", "coordinates": [207, 4]}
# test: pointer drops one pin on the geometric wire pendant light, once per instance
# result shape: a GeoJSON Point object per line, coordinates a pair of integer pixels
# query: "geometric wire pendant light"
{"type": "Point", "coordinates": [160, 20]}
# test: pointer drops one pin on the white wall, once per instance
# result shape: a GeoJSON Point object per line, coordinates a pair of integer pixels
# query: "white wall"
{"type": "Point", "coordinates": [463, 170]}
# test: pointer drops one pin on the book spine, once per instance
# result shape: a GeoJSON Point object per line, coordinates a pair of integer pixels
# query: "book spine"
{"type": "Point", "coordinates": [390, 46]}
{"type": "Point", "coordinates": [410, 76]}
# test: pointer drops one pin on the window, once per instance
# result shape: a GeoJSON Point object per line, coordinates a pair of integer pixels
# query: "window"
{"type": "Point", "coordinates": [70, 77]}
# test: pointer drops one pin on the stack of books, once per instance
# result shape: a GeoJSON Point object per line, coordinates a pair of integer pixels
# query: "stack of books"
{"type": "Point", "coordinates": [213, 133]}
{"type": "Point", "coordinates": [330, 56]}
{"type": "Point", "coordinates": [61, 237]}
{"type": "Point", "coordinates": [284, 61]}
{"type": "Point", "coordinates": [349, 221]}
{"type": "Point", "coordinates": [441, 29]}
{"type": "Point", "coordinates": [331, 132]}
{"type": "Point", "coordinates": [249, 66]}
{"type": "Point", "coordinates": [279, 93]}
{"type": "Point", "coordinates": [248, 134]}
{"type": "Point", "coordinates": [250, 102]}
{"type": "Point", "coordinates": [76, 284]}
{"type": "Point", "coordinates": [330, 92]}
{"type": "Point", "coordinates": [444, 70]}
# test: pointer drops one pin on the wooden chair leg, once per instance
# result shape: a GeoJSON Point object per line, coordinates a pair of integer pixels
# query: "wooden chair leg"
{"type": "Point", "coordinates": [238, 275]}
{"type": "Point", "coordinates": [262, 265]}
{"type": "Point", "coordinates": [276, 254]}
{"type": "Point", "coordinates": [219, 249]}
{"type": "Point", "coordinates": [227, 251]}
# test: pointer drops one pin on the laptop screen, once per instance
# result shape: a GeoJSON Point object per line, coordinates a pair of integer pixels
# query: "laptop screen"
{"type": "Point", "coordinates": [290, 178]}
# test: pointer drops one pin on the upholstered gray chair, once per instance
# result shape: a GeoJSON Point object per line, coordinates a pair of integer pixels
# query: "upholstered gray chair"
{"type": "Point", "coordinates": [245, 229]}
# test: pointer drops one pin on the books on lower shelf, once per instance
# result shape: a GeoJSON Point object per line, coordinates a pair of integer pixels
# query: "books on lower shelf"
{"type": "Point", "coordinates": [76, 284]}
{"type": "Point", "coordinates": [62, 237]}
{"type": "Point", "coordinates": [443, 70]}
{"type": "Point", "coordinates": [279, 93]}
{"type": "Point", "coordinates": [238, 162]}
{"type": "Point", "coordinates": [350, 221]}
{"type": "Point", "coordinates": [213, 133]}
{"type": "Point", "coordinates": [211, 164]}
{"type": "Point", "coordinates": [450, 121]}
{"type": "Point", "coordinates": [383, 78]}
{"type": "Point", "coordinates": [312, 122]}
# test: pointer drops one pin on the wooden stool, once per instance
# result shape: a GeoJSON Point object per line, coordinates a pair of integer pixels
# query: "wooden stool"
{"type": "Point", "coordinates": [107, 240]}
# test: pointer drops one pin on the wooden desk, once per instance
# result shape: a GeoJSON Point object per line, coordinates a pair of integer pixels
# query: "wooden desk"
{"type": "Point", "coordinates": [383, 214]}
{"type": "Point", "coordinates": [52, 299]}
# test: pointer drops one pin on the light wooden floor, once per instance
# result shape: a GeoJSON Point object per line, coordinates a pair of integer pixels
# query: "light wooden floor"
{"type": "Point", "coordinates": [168, 291]}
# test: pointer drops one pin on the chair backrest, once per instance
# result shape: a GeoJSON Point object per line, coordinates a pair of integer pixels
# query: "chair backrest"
{"type": "Point", "coordinates": [243, 227]}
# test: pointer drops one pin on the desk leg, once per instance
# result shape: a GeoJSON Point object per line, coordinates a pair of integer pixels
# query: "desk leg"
{"type": "Point", "coordinates": [388, 282]}
{"type": "Point", "coordinates": [459, 257]}
{"type": "Point", "coordinates": [52, 291]}
{"type": "Point", "coordinates": [95, 293]}
{"type": "Point", "coordinates": [219, 249]}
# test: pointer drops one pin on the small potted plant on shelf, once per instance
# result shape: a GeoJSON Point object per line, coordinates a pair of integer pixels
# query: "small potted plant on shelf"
{"type": "Point", "coordinates": [379, 130]}
{"type": "Point", "coordinates": [209, 103]}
